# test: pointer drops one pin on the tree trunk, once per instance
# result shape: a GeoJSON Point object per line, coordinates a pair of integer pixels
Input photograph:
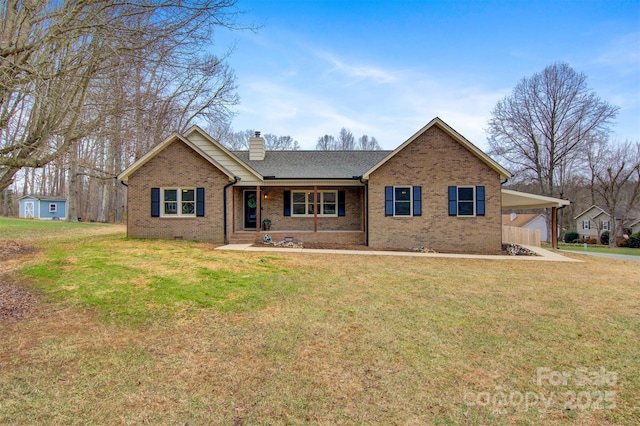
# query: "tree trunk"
{"type": "Point", "coordinates": [72, 199]}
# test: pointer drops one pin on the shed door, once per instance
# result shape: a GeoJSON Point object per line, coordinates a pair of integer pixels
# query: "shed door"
{"type": "Point", "coordinates": [29, 209]}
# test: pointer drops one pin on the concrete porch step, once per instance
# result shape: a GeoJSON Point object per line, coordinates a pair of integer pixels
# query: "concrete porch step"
{"type": "Point", "coordinates": [242, 238]}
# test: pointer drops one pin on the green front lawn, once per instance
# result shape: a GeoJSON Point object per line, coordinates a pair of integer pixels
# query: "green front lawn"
{"type": "Point", "coordinates": [173, 332]}
{"type": "Point", "coordinates": [36, 230]}
{"type": "Point", "coordinates": [600, 249]}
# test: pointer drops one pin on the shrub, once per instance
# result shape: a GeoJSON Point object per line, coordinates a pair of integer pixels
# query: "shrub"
{"type": "Point", "coordinates": [604, 238]}
{"type": "Point", "coordinates": [634, 240]}
{"type": "Point", "coordinates": [592, 240]}
{"type": "Point", "coordinates": [571, 237]}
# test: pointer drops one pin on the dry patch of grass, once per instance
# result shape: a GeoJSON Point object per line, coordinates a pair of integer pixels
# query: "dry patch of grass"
{"type": "Point", "coordinates": [327, 339]}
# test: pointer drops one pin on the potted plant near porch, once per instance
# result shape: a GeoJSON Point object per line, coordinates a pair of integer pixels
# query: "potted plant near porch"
{"type": "Point", "coordinates": [266, 224]}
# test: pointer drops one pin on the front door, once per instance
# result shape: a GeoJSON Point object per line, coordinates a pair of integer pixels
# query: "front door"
{"type": "Point", "coordinates": [250, 209]}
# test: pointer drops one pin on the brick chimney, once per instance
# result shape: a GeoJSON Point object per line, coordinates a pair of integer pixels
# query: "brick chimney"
{"type": "Point", "coordinates": [256, 147]}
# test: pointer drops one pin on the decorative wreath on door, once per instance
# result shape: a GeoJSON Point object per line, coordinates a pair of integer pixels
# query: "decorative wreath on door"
{"type": "Point", "coordinates": [251, 202]}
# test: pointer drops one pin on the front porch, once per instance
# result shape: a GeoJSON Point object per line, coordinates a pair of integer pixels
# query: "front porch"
{"type": "Point", "coordinates": [319, 214]}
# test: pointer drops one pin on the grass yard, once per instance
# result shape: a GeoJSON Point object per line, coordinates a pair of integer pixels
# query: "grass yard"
{"type": "Point", "coordinates": [173, 332]}
{"type": "Point", "coordinates": [600, 249]}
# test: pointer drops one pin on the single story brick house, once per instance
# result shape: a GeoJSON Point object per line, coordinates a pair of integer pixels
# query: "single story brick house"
{"type": "Point", "coordinates": [435, 190]}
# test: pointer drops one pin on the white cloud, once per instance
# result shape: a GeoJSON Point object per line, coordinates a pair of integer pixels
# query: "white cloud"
{"type": "Point", "coordinates": [622, 55]}
{"type": "Point", "coordinates": [357, 72]}
{"type": "Point", "coordinates": [391, 112]}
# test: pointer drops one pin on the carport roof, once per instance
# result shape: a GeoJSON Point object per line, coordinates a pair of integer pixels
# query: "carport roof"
{"type": "Point", "coordinates": [523, 200]}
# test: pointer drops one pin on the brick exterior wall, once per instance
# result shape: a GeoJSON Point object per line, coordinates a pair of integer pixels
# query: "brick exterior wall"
{"type": "Point", "coordinates": [176, 166]}
{"type": "Point", "coordinates": [434, 161]}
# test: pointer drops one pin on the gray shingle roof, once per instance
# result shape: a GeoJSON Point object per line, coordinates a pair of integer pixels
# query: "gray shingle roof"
{"type": "Point", "coordinates": [314, 164]}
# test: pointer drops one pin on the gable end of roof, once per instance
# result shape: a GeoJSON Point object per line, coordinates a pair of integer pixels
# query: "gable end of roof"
{"type": "Point", "coordinates": [174, 137]}
{"type": "Point", "coordinates": [481, 155]}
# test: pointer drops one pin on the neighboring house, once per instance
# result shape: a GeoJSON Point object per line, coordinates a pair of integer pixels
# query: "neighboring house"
{"type": "Point", "coordinates": [592, 222]}
{"type": "Point", "coordinates": [533, 221]}
{"type": "Point", "coordinates": [435, 190]}
{"type": "Point", "coordinates": [634, 227]}
{"type": "Point", "coordinates": [41, 207]}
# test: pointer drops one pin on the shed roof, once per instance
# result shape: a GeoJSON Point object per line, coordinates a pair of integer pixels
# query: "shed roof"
{"type": "Point", "coordinates": [44, 197]}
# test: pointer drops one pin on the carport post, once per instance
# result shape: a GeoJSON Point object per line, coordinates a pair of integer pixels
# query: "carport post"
{"type": "Point", "coordinates": [554, 227]}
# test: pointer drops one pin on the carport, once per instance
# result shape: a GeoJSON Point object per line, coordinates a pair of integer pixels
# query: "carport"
{"type": "Point", "coordinates": [516, 200]}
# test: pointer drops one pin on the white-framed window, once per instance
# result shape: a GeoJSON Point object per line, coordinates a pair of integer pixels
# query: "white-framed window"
{"type": "Point", "coordinates": [53, 208]}
{"type": "Point", "coordinates": [605, 225]}
{"type": "Point", "coordinates": [586, 224]}
{"type": "Point", "coordinates": [402, 200]}
{"type": "Point", "coordinates": [466, 200]}
{"type": "Point", "coordinates": [178, 202]}
{"type": "Point", "coordinates": [303, 203]}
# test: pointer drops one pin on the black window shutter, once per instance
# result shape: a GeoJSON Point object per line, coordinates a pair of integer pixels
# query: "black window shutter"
{"type": "Point", "coordinates": [453, 201]}
{"type": "Point", "coordinates": [155, 202]}
{"type": "Point", "coordinates": [200, 202]}
{"type": "Point", "coordinates": [388, 200]}
{"type": "Point", "coordinates": [479, 200]}
{"type": "Point", "coordinates": [417, 201]}
{"type": "Point", "coordinates": [287, 203]}
{"type": "Point", "coordinates": [341, 203]}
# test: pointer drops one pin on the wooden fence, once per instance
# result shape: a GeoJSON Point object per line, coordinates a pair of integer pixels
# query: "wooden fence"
{"type": "Point", "coordinates": [512, 234]}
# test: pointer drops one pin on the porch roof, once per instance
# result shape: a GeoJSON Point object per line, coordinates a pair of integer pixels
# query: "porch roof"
{"type": "Point", "coordinates": [523, 200]}
{"type": "Point", "coordinates": [313, 164]}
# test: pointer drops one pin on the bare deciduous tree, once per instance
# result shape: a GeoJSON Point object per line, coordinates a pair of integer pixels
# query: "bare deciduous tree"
{"type": "Point", "coordinates": [367, 143]}
{"type": "Point", "coordinates": [55, 55]}
{"type": "Point", "coordinates": [345, 140]}
{"type": "Point", "coordinates": [615, 179]}
{"type": "Point", "coordinates": [546, 124]}
{"type": "Point", "coordinates": [326, 143]}
{"type": "Point", "coordinates": [545, 121]}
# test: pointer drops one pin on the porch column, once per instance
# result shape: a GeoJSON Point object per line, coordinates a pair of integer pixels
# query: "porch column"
{"type": "Point", "coordinates": [554, 227]}
{"type": "Point", "coordinates": [258, 209]}
{"type": "Point", "coordinates": [315, 209]}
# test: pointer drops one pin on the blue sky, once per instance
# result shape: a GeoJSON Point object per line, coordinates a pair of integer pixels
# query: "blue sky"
{"type": "Point", "coordinates": [386, 68]}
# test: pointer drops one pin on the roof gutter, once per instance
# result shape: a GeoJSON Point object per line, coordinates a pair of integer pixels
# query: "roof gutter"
{"type": "Point", "coordinates": [224, 211]}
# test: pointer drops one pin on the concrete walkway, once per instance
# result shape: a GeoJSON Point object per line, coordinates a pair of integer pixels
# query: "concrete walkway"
{"type": "Point", "coordinates": [543, 254]}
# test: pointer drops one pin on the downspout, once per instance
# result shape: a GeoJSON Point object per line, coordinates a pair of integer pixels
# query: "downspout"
{"type": "Point", "coordinates": [366, 210]}
{"type": "Point", "coordinates": [127, 221]}
{"type": "Point", "coordinates": [224, 211]}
